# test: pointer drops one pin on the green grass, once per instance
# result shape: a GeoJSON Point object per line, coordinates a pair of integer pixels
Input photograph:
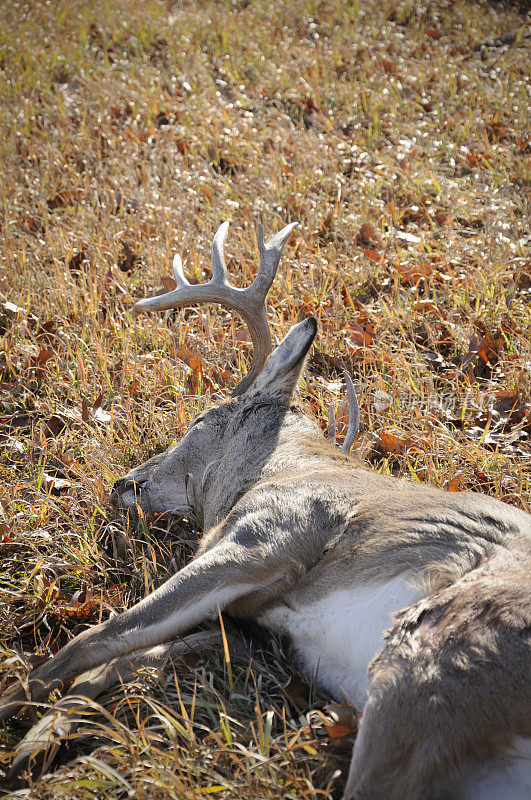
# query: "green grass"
{"type": "Point", "coordinates": [129, 132]}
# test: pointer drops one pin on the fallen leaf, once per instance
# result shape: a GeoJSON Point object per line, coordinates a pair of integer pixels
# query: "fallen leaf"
{"type": "Point", "coordinates": [347, 299]}
{"type": "Point", "coordinates": [297, 690]}
{"type": "Point", "coordinates": [95, 412]}
{"type": "Point", "coordinates": [76, 262]}
{"type": "Point", "coordinates": [366, 234]}
{"type": "Point", "coordinates": [168, 283]}
{"type": "Point", "coordinates": [12, 309]}
{"type": "Point", "coordinates": [361, 335]}
{"type": "Point", "coordinates": [344, 719]}
{"type": "Point", "coordinates": [51, 483]}
{"type": "Point", "coordinates": [391, 443]}
{"type": "Point", "coordinates": [39, 362]}
{"type": "Point", "coordinates": [372, 255]}
{"type": "Point", "coordinates": [497, 131]}
{"type": "Point", "coordinates": [411, 274]}
{"type": "Point", "coordinates": [46, 588]}
{"type": "Point", "coordinates": [390, 67]}
{"type": "Point", "coordinates": [195, 362]}
{"type": "Point", "coordinates": [458, 482]}
{"type": "Point", "coordinates": [128, 258]}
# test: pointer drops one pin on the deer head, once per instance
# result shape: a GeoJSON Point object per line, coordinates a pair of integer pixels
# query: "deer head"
{"type": "Point", "coordinates": [227, 446]}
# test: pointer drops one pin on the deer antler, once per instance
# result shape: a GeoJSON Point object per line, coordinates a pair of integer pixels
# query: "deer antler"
{"type": "Point", "coordinates": [353, 414]}
{"type": "Point", "coordinates": [248, 303]}
{"type": "Point", "coordinates": [353, 417]}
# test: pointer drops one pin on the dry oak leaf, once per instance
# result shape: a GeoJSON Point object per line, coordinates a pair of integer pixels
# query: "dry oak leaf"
{"type": "Point", "coordinates": [344, 719]}
{"type": "Point", "coordinates": [168, 283]}
{"type": "Point", "coordinates": [55, 485]}
{"type": "Point", "coordinates": [459, 482]}
{"type": "Point", "coordinates": [40, 360]}
{"type": "Point", "coordinates": [361, 335]}
{"type": "Point", "coordinates": [411, 274]}
{"type": "Point", "coordinates": [129, 258]}
{"type": "Point", "coordinates": [366, 235]}
{"type": "Point", "coordinates": [46, 588]}
{"type": "Point", "coordinates": [372, 255]}
{"type": "Point", "coordinates": [391, 443]}
{"type": "Point", "coordinates": [96, 412]}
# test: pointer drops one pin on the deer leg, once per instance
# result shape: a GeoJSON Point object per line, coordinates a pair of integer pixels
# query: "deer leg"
{"type": "Point", "coordinates": [440, 694]}
{"type": "Point", "coordinates": [41, 743]}
{"type": "Point", "coordinates": [197, 592]}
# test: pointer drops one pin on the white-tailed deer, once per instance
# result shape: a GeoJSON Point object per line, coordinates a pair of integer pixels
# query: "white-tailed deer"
{"type": "Point", "coordinates": [413, 602]}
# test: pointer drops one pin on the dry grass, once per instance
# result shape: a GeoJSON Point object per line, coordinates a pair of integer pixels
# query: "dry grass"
{"type": "Point", "coordinates": [394, 132]}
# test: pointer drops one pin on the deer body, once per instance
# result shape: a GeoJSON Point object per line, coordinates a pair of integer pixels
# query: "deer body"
{"type": "Point", "coordinates": [336, 549]}
{"type": "Point", "coordinates": [411, 601]}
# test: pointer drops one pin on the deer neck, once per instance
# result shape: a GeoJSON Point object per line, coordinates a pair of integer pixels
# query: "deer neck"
{"type": "Point", "coordinates": [263, 443]}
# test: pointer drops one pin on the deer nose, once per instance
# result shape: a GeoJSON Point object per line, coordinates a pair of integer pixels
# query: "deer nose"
{"type": "Point", "coordinates": [123, 485]}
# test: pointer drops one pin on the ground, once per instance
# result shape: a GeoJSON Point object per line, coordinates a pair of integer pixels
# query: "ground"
{"type": "Point", "coordinates": [395, 134]}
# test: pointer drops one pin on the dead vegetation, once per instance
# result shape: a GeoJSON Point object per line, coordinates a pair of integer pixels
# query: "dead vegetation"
{"type": "Point", "coordinates": [395, 133]}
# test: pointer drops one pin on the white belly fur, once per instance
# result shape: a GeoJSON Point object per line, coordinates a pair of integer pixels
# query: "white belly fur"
{"type": "Point", "coordinates": [337, 636]}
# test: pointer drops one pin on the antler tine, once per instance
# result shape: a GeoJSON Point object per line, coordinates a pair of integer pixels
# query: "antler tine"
{"type": "Point", "coordinates": [219, 268]}
{"type": "Point", "coordinates": [331, 431]}
{"type": "Point", "coordinates": [353, 417]}
{"type": "Point", "coordinates": [255, 296]}
{"type": "Point", "coordinates": [178, 272]}
{"type": "Point", "coordinates": [248, 303]}
{"type": "Point", "coordinates": [270, 254]}
{"type": "Point", "coordinates": [353, 414]}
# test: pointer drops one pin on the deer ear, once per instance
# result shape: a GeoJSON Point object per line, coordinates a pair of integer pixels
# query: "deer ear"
{"type": "Point", "coordinates": [282, 369]}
